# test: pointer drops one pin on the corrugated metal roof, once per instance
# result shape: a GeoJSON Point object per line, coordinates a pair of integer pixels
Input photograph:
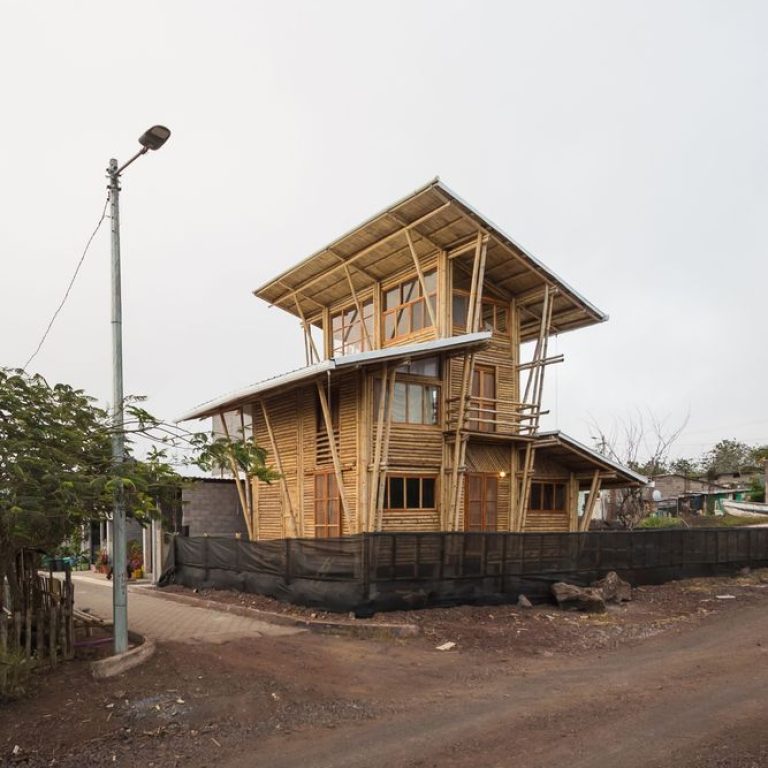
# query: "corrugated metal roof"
{"type": "Point", "coordinates": [571, 443]}
{"type": "Point", "coordinates": [347, 362]}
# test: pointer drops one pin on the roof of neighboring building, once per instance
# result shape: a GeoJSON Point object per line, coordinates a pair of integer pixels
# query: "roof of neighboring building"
{"type": "Point", "coordinates": [580, 457]}
{"type": "Point", "coordinates": [438, 220]}
{"type": "Point", "coordinates": [347, 362]}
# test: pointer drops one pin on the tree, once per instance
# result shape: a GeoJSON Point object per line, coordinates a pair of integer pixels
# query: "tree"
{"type": "Point", "coordinates": [727, 456]}
{"type": "Point", "coordinates": [57, 471]}
{"type": "Point", "coordinates": [56, 468]}
{"type": "Point", "coordinates": [641, 442]}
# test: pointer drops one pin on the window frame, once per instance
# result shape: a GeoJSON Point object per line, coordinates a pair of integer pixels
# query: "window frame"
{"type": "Point", "coordinates": [552, 487]}
{"type": "Point", "coordinates": [405, 477]}
{"type": "Point", "coordinates": [499, 306]}
{"type": "Point", "coordinates": [425, 384]}
{"type": "Point", "coordinates": [406, 307]}
{"type": "Point", "coordinates": [360, 342]}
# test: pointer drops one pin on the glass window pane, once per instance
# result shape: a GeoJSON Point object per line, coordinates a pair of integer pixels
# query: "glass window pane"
{"type": "Point", "coordinates": [432, 404]}
{"type": "Point", "coordinates": [430, 281]}
{"type": "Point", "coordinates": [350, 316]}
{"type": "Point", "coordinates": [535, 502]}
{"type": "Point", "coordinates": [389, 326]}
{"type": "Point", "coordinates": [488, 316]}
{"type": "Point", "coordinates": [460, 306]}
{"type": "Point", "coordinates": [490, 516]}
{"type": "Point", "coordinates": [392, 298]}
{"type": "Point", "coordinates": [412, 488]}
{"type": "Point", "coordinates": [490, 489]}
{"type": "Point", "coordinates": [427, 316]}
{"type": "Point", "coordinates": [396, 493]}
{"type": "Point", "coordinates": [403, 316]}
{"type": "Point", "coordinates": [428, 493]}
{"type": "Point", "coordinates": [560, 496]}
{"type": "Point", "coordinates": [410, 290]}
{"type": "Point", "coordinates": [336, 323]}
{"type": "Point", "coordinates": [427, 366]}
{"type": "Point", "coordinates": [417, 313]}
{"type": "Point", "coordinates": [398, 406]}
{"type": "Point", "coordinates": [548, 502]}
{"type": "Point", "coordinates": [415, 404]}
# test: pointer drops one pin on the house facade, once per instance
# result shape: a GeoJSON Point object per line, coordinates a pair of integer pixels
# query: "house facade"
{"type": "Point", "coordinates": [426, 334]}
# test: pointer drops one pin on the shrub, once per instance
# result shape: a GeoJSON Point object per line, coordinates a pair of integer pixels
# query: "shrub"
{"type": "Point", "coordinates": [15, 672]}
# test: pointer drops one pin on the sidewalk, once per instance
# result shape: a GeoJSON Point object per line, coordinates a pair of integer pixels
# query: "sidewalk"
{"type": "Point", "coordinates": [164, 620]}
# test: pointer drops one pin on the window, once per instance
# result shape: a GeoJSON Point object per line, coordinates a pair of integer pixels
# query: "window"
{"type": "Point", "coordinates": [327, 506]}
{"type": "Point", "coordinates": [480, 499]}
{"type": "Point", "coordinates": [405, 309]}
{"type": "Point", "coordinates": [494, 314]}
{"type": "Point", "coordinates": [482, 411]}
{"type": "Point", "coordinates": [410, 493]}
{"type": "Point", "coordinates": [412, 403]}
{"type": "Point", "coordinates": [348, 334]}
{"type": "Point", "coordinates": [547, 497]}
{"type": "Point", "coordinates": [428, 367]}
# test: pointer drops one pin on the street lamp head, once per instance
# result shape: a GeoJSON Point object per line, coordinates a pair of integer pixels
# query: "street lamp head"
{"type": "Point", "coordinates": [155, 137]}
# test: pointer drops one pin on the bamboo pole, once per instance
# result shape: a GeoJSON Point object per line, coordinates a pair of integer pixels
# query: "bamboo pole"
{"type": "Point", "coordinates": [373, 502]}
{"type": "Point", "coordinates": [309, 342]}
{"type": "Point", "coordinates": [424, 292]}
{"type": "Point", "coordinates": [589, 509]}
{"type": "Point", "coordinates": [525, 484]}
{"type": "Point", "coordinates": [359, 307]}
{"type": "Point", "coordinates": [335, 455]}
{"type": "Point", "coordinates": [283, 481]}
{"type": "Point", "coordinates": [379, 522]}
{"type": "Point", "coordinates": [236, 476]}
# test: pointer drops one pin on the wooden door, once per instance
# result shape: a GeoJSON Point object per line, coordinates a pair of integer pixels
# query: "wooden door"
{"type": "Point", "coordinates": [327, 506]}
{"type": "Point", "coordinates": [481, 493]}
{"type": "Point", "coordinates": [482, 412]}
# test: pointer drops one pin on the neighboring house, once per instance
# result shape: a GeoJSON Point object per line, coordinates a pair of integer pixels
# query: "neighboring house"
{"type": "Point", "coordinates": [419, 406]}
{"type": "Point", "coordinates": [679, 494]}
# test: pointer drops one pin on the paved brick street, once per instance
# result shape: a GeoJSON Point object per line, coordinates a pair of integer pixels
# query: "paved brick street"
{"type": "Point", "coordinates": [165, 620]}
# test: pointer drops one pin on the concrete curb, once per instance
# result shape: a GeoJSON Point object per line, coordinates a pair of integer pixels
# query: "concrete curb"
{"type": "Point", "coordinates": [116, 665]}
{"type": "Point", "coordinates": [356, 629]}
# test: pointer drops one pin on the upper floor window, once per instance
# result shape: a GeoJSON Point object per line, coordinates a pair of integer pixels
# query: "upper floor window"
{"type": "Point", "coordinates": [493, 318]}
{"type": "Point", "coordinates": [349, 330]}
{"type": "Point", "coordinates": [405, 309]}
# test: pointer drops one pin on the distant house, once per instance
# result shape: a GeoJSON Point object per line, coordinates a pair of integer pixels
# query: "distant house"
{"type": "Point", "coordinates": [680, 494]}
{"type": "Point", "coordinates": [425, 331]}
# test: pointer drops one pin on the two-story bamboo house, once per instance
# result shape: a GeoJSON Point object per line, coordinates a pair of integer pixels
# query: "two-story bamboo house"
{"type": "Point", "coordinates": [416, 412]}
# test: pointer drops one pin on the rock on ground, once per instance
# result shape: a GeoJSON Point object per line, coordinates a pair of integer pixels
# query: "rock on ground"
{"type": "Point", "coordinates": [613, 588]}
{"type": "Point", "coordinates": [572, 598]}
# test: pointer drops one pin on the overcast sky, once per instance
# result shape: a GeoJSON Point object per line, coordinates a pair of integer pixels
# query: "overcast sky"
{"type": "Point", "coordinates": [623, 143]}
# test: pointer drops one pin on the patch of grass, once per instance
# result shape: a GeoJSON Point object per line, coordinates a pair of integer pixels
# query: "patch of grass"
{"type": "Point", "coordinates": [661, 522]}
{"type": "Point", "coordinates": [729, 521]}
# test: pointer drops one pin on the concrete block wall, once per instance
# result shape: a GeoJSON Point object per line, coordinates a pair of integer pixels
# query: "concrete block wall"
{"type": "Point", "coordinates": [212, 507]}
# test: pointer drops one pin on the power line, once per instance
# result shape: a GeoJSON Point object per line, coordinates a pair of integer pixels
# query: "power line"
{"type": "Point", "coordinates": [69, 287]}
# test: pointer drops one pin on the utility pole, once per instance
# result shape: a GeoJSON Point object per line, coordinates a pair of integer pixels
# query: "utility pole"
{"type": "Point", "coordinates": [153, 139]}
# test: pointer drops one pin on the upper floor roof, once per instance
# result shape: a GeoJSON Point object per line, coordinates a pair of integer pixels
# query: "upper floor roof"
{"type": "Point", "coordinates": [437, 220]}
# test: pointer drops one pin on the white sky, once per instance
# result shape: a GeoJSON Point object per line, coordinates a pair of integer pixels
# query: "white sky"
{"type": "Point", "coordinates": [623, 143]}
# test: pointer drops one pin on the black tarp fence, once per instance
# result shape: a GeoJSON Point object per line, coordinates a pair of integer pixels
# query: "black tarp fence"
{"type": "Point", "coordinates": [392, 571]}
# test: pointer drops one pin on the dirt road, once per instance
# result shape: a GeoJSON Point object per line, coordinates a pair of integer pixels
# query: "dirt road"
{"type": "Point", "coordinates": [532, 689]}
{"type": "Point", "coordinates": [696, 698]}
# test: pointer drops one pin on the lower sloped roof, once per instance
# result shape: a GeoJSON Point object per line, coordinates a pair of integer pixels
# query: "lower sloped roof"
{"type": "Point", "coordinates": [347, 362]}
{"type": "Point", "coordinates": [580, 458]}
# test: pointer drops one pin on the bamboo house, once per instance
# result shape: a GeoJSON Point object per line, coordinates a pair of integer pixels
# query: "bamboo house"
{"type": "Point", "coordinates": [415, 410]}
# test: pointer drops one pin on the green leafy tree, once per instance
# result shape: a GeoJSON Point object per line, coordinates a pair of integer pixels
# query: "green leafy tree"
{"type": "Point", "coordinates": [56, 467]}
{"type": "Point", "coordinates": [727, 456]}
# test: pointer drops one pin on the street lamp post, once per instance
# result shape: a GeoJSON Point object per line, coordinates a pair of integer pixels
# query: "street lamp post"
{"type": "Point", "coordinates": [152, 139]}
